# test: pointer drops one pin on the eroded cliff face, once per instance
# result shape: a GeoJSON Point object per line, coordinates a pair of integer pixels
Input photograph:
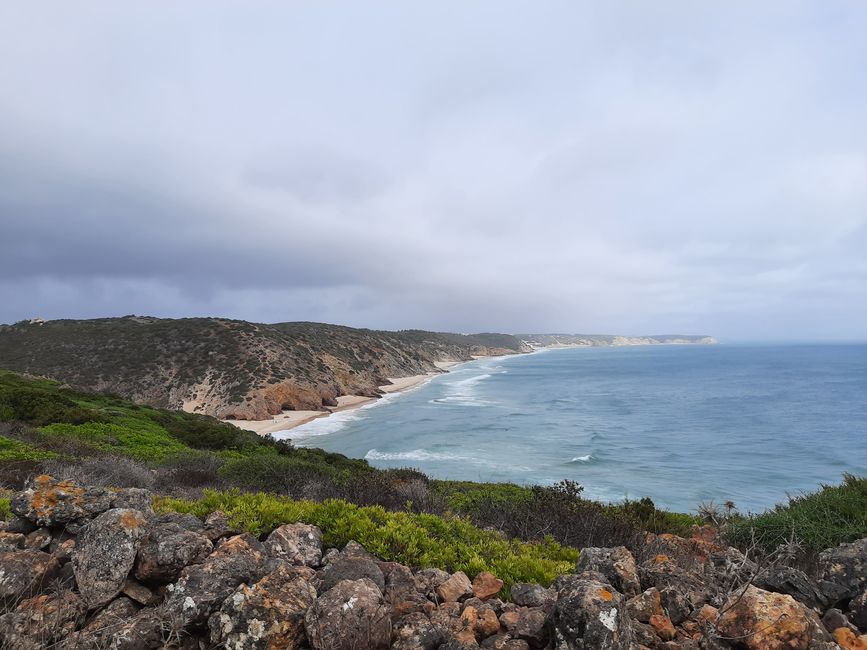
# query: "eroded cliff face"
{"type": "Point", "coordinates": [232, 369]}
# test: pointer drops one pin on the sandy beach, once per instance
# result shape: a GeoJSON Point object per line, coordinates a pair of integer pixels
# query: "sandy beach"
{"type": "Point", "coordinates": [291, 419]}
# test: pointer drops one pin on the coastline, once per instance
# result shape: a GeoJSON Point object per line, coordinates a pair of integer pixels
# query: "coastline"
{"type": "Point", "coordinates": [290, 419]}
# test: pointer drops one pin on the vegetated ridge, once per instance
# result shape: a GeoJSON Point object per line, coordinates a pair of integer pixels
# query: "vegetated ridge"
{"type": "Point", "coordinates": [231, 368]}
{"type": "Point", "coordinates": [604, 340]}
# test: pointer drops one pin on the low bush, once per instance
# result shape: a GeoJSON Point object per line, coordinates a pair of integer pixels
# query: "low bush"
{"type": "Point", "coordinates": [417, 540]}
{"type": "Point", "coordinates": [16, 450]}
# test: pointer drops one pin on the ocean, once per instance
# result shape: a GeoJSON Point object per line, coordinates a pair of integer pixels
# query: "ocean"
{"type": "Point", "coordinates": [682, 424]}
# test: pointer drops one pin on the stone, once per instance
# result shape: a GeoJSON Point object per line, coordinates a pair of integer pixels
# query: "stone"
{"type": "Point", "coordinates": [270, 614]}
{"type": "Point", "coordinates": [11, 542]}
{"type": "Point", "coordinates": [457, 587]}
{"type": "Point", "coordinates": [858, 611]}
{"type": "Point", "coordinates": [414, 631]}
{"type": "Point", "coordinates": [531, 626]}
{"type": "Point", "coordinates": [134, 499]}
{"type": "Point", "coordinates": [105, 552]}
{"type": "Point", "coordinates": [848, 640]}
{"type": "Point", "coordinates": [184, 521]}
{"type": "Point", "coordinates": [663, 627]}
{"type": "Point", "coordinates": [676, 605]}
{"type": "Point", "coordinates": [762, 620]}
{"type": "Point", "coordinates": [138, 592]}
{"type": "Point", "coordinates": [401, 593]}
{"type": "Point", "coordinates": [589, 613]}
{"type": "Point", "coordinates": [63, 551]}
{"type": "Point", "coordinates": [26, 573]}
{"type": "Point", "coordinates": [38, 540]}
{"type": "Point", "coordinates": [348, 567]}
{"type": "Point", "coordinates": [427, 581]}
{"type": "Point", "coordinates": [845, 566]}
{"type": "Point", "coordinates": [47, 502]}
{"type": "Point", "coordinates": [111, 617]}
{"type": "Point", "coordinates": [616, 564]}
{"type": "Point", "coordinates": [18, 524]}
{"type": "Point", "coordinates": [533, 595]}
{"type": "Point", "coordinates": [217, 526]}
{"type": "Point", "coordinates": [167, 549]}
{"type": "Point", "coordinates": [349, 616]}
{"type": "Point", "coordinates": [487, 623]}
{"type": "Point", "coordinates": [299, 543]}
{"type": "Point", "coordinates": [202, 588]}
{"type": "Point", "coordinates": [41, 621]}
{"type": "Point", "coordinates": [834, 618]}
{"type": "Point", "coordinates": [486, 585]}
{"type": "Point", "coordinates": [795, 583]}
{"type": "Point", "coordinates": [645, 605]}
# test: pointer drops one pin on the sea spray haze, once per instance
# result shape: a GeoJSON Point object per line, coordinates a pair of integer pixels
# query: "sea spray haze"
{"type": "Point", "coordinates": [682, 424]}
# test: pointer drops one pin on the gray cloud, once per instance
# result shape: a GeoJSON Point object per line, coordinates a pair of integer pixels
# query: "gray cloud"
{"type": "Point", "coordinates": [614, 168]}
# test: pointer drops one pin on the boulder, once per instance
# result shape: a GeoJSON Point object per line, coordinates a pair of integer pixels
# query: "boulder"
{"type": "Point", "coordinates": [848, 640]}
{"type": "Point", "coordinates": [663, 627]}
{"type": "Point", "coordinates": [299, 543]}
{"type": "Point", "coordinates": [138, 592]}
{"type": "Point", "coordinates": [414, 631]}
{"type": "Point", "coordinates": [846, 567]}
{"type": "Point", "coordinates": [47, 502]}
{"type": "Point", "coordinates": [38, 540]}
{"type": "Point", "coordinates": [202, 588]}
{"type": "Point", "coordinates": [117, 613]}
{"type": "Point", "coordinates": [11, 542]}
{"type": "Point", "coordinates": [677, 605]}
{"type": "Point", "coordinates": [104, 554]}
{"type": "Point", "coordinates": [167, 549]}
{"type": "Point", "coordinates": [348, 567]}
{"type": "Point", "coordinates": [183, 520]}
{"type": "Point", "coordinates": [26, 573]}
{"type": "Point", "coordinates": [589, 613]}
{"type": "Point", "coordinates": [533, 595]}
{"type": "Point", "coordinates": [401, 593]}
{"type": "Point", "coordinates": [795, 583]}
{"type": "Point", "coordinates": [270, 614]}
{"type": "Point", "coordinates": [456, 588]}
{"type": "Point", "coordinates": [762, 620]}
{"type": "Point", "coordinates": [530, 626]}
{"type": "Point", "coordinates": [486, 585]}
{"type": "Point", "coordinates": [349, 616]}
{"type": "Point", "coordinates": [427, 581]}
{"type": "Point", "coordinates": [217, 526]}
{"type": "Point", "coordinates": [41, 621]}
{"type": "Point", "coordinates": [858, 611]}
{"type": "Point", "coordinates": [134, 499]}
{"type": "Point", "coordinates": [616, 564]}
{"type": "Point", "coordinates": [645, 605]}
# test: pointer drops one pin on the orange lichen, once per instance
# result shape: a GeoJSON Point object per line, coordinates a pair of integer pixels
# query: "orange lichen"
{"type": "Point", "coordinates": [606, 595]}
{"type": "Point", "coordinates": [129, 520]}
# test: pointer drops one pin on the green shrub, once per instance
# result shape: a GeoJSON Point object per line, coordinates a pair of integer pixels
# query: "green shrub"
{"type": "Point", "coordinates": [417, 540]}
{"type": "Point", "coordinates": [144, 440]}
{"type": "Point", "coordinates": [15, 450]}
{"type": "Point", "coordinates": [817, 520]}
{"type": "Point", "coordinates": [5, 511]}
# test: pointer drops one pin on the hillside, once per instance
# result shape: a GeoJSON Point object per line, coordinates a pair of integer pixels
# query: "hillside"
{"type": "Point", "coordinates": [229, 368]}
{"type": "Point", "coordinates": [604, 340]}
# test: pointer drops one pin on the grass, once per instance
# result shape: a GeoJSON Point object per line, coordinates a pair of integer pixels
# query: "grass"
{"type": "Point", "coordinates": [834, 515]}
{"type": "Point", "coordinates": [418, 540]}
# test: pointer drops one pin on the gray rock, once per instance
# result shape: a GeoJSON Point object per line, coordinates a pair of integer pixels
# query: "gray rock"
{"type": "Point", "coordinates": [183, 520]}
{"type": "Point", "coordinates": [795, 583]}
{"type": "Point", "coordinates": [533, 595]}
{"type": "Point", "coordinates": [25, 573]}
{"type": "Point", "coordinates": [415, 631]}
{"type": "Point", "coordinates": [299, 543]}
{"type": "Point", "coordinates": [134, 499]}
{"type": "Point", "coordinates": [104, 554]}
{"type": "Point", "coordinates": [42, 621]}
{"type": "Point", "coordinates": [616, 564]}
{"type": "Point", "coordinates": [47, 502]}
{"type": "Point", "coordinates": [846, 566]}
{"type": "Point", "coordinates": [349, 616]}
{"type": "Point", "coordinates": [348, 567]}
{"type": "Point", "coordinates": [590, 614]}
{"type": "Point", "coordinates": [858, 611]}
{"type": "Point", "coordinates": [166, 550]}
{"type": "Point", "coordinates": [401, 593]}
{"type": "Point", "coordinates": [11, 542]}
{"type": "Point", "coordinates": [38, 540]}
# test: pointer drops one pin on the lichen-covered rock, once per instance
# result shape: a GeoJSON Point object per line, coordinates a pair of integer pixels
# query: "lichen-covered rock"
{"type": "Point", "coordinates": [486, 585]}
{"type": "Point", "coordinates": [533, 595]}
{"type": "Point", "coordinates": [858, 611]}
{"type": "Point", "coordinates": [183, 520]}
{"type": "Point", "coordinates": [47, 502]}
{"type": "Point", "coordinates": [348, 567]}
{"type": "Point", "coordinates": [848, 640]}
{"type": "Point", "coordinates": [846, 566]}
{"type": "Point", "coordinates": [616, 564]}
{"type": "Point", "coordinates": [202, 588]}
{"type": "Point", "coordinates": [589, 614]}
{"type": "Point", "coordinates": [217, 526]}
{"type": "Point", "coordinates": [38, 540]}
{"type": "Point", "coordinates": [25, 573]}
{"type": "Point", "coordinates": [104, 554]}
{"type": "Point", "coordinates": [270, 614]}
{"type": "Point", "coordinates": [795, 583]}
{"type": "Point", "coordinates": [41, 621]}
{"type": "Point", "coordinates": [527, 623]}
{"type": "Point", "coordinates": [167, 549]}
{"type": "Point", "coordinates": [11, 542]}
{"type": "Point", "coordinates": [138, 592]}
{"type": "Point", "coordinates": [134, 499]}
{"type": "Point", "coordinates": [349, 616]}
{"type": "Point", "coordinates": [762, 620]}
{"type": "Point", "coordinates": [415, 631]}
{"type": "Point", "coordinates": [298, 543]}
{"type": "Point", "coordinates": [400, 591]}
{"type": "Point", "coordinates": [645, 605]}
{"type": "Point", "coordinates": [663, 627]}
{"type": "Point", "coordinates": [457, 587]}
{"type": "Point", "coordinates": [427, 581]}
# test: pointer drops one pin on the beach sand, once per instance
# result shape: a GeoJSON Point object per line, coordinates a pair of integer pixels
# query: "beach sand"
{"type": "Point", "coordinates": [291, 419]}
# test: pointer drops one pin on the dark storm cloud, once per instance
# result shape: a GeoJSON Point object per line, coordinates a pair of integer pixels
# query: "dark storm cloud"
{"type": "Point", "coordinates": [572, 166]}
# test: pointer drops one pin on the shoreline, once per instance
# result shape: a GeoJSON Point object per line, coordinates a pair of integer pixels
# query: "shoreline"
{"type": "Point", "coordinates": [290, 419]}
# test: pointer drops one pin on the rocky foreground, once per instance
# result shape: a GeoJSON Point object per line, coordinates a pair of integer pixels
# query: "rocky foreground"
{"type": "Point", "coordinates": [91, 568]}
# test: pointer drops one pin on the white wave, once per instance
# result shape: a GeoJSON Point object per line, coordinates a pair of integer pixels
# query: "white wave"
{"type": "Point", "coordinates": [470, 380]}
{"type": "Point", "coordinates": [415, 454]}
{"type": "Point", "coordinates": [582, 459]}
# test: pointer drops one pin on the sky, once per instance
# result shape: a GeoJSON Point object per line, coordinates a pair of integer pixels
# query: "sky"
{"type": "Point", "coordinates": [609, 167]}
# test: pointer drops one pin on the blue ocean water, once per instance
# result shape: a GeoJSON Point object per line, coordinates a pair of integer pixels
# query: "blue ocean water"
{"type": "Point", "coordinates": [681, 424]}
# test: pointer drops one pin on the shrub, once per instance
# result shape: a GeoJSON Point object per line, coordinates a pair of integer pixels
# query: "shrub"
{"type": "Point", "coordinates": [417, 540]}
{"type": "Point", "coordinates": [15, 450]}
{"type": "Point", "coordinates": [5, 511]}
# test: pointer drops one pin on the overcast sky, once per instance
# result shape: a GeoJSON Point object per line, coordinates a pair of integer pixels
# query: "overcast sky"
{"type": "Point", "coordinates": [612, 167]}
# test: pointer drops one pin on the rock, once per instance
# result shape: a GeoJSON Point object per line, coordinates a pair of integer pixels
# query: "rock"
{"type": "Point", "coordinates": [458, 586]}
{"type": "Point", "coordinates": [349, 616]}
{"type": "Point", "coordinates": [401, 594]}
{"type": "Point", "coordinates": [848, 640]}
{"type": "Point", "coordinates": [63, 551]}
{"type": "Point", "coordinates": [834, 618]}
{"type": "Point", "coordinates": [183, 520]}
{"type": "Point", "coordinates": [11, 542]}
{"type": "Point", "coordinates": [504, 642]}
{"type": "Point", "coordinates": [675, 604]}
{"type": "Point", "coordinates": [354, 549]}
{"type": "Point", "coordinates": [348, 567]}
{"type": "Point", "coordinates": [38, 540]}
{"type": "Point", "coordinates": [19, 524]}
{"type": "Point", "coordinates": [589, 613]}
{"type": "Point", "coordinates": [299, 543]}
{"type": "Point", "coordinates": [531, 626]}
{"type": "Point", "coordinates": [465, 630]}
{"type": "Point", "coordinates": [166, 550]}
{"type": "Point", "coordinates": [329, 555]}
{"type": "Point", "coordinates": [138, 592]}
{"type": "Point", "coordinates": [270, 614]}
{"type": "Point", "coordinates": [846, 566]}
{"type": "Point", "coordinates": [795, 583]}
{"type": "Point", "coordinates": [644, 635]}
{"type": "Point", "coordinates": [427, 581]}
{"type": "Point", "coordinates": [762, 620]}
{"type": "Point", "coordinates": [104, 554]}
{"type": "Point", "coordinates": [41, 621]}
{"type": "Point", "coordinates": [616, 564]}
{"type": "Point", "coordinates": [487, 623]}
{"type": "Point", "coordinates": [134, 499]}
{"type": "Point", "coordinates": [217, 526]}
{"type": "Point", "coordinates": [202, 588]}
{"type": "Point", "coordinates": [26, 573]}
{"type": "Point", "coordinates": [48, 502]}
{"type": "Point", "coordinates": [111, 617]}
{"type": "Point", "coordinates": [486, 585]}
{"type": "Point", "coordinates": [663, 627]}
{"type": "Point", "coordinates": [858, 611]}
{"type": "Point", "coordinates": [645, 605]}
{"type": "Point", "coordinates": [414, 631]}
{"type": "Point", "coordinates": [533, 595]}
